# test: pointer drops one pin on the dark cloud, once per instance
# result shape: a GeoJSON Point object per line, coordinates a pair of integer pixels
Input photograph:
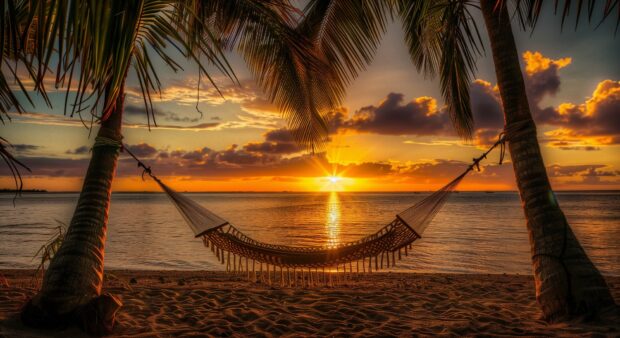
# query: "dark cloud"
{"type": "Point", "coordinates": [542, 76]}
{"type": "Point", "coordinates": [174, 117]}
{"type": "Point", "coordinates": [282, 135]}
{"type": "Point", "coordinates": [367, 169]}
{"type": "Point", "coordinates": [597, 117]}
{"type": "Point", "coordinates": [195, 127]}
{"type": "Point", "coordinates": [588, 125]}
{"type": "Point", "coordinates": [565, 145]}
{"type": "Point", "coordinates": [588, 174]}
{"type": "Point", "coordinates": [139, 111]}
{"type": "Point", "coordinates": [394, 116]}
{"type": "Point", "coordinates": [557, 170]}
{"type": "Point", "coordinates": [277, 141]}
{"type": "Point", "coordinates": [142, 150]}
{"type": "Point", "coordinates": [421, 116]}
{"type": "Point", "coordinates": [236, 162]}
{"type": "Point", "coordinates": [439, 168]}
{"type": "Point", "coordinates": [79, 150]}
{"type": "Point", "coordinates": [272, 147]}
{"type": "Point", "coordinates": [486, 107]}
{"type": "Point", "coordinates": [50, 166]}
{"type": "Point", "coordinates": [131, 110]}
{"type": "Point", "coordinates": [240, 157]}
{"type": "Point", "coordinates": [24, 148]}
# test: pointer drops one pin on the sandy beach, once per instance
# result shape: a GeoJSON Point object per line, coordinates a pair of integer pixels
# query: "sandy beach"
{"type": "Point", "coordinates": [175, 303]}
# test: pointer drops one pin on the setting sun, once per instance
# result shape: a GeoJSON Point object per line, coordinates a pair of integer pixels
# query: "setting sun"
{"type": "Point", "coordinates": [334, 183]}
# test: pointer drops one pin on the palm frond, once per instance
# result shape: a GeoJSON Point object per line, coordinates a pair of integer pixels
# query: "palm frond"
{"type": "Point", "coordinates": [96, 42]}
{"type": "Point", "coordinates": [13, 164]}
{"type": "Point", "coordinates": [443, 39]}
{"type": "Point", "coordinates": [47, 251]}
{"type": "Point", "coordinates": [13, 47]}
{"type": "Point", "coordinates": [346, 33]}
{"type": "Point", "coordinates": [529, 11]}
{"type": "Point", "coordinates": [282, 60]}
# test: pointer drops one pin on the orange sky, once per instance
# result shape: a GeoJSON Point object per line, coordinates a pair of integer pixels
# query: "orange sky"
{"type": "Point", "coordinates": [391, 134]}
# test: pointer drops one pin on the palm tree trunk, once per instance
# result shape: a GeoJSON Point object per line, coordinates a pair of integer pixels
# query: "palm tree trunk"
{"type": "Point", "coordinates": [567, 283]}
{"type": "Point", "coordinates": [71, 289]}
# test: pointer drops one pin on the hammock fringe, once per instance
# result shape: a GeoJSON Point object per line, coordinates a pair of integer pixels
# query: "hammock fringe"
{"type": "Point", "coordinates": [222, 237]}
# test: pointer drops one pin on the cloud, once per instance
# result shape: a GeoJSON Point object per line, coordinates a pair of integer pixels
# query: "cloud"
{"type": "Point", "coordinates": [277, 141]}
{"type": "Point", "coordinates": [421, 116]}
{"type": "Point", "coordinates": [542, 75]}
{"type": "Point", "coordinates": [572, 145]}
{"type": "Point", "coordinates": [583, 126]}
{"type": "Point", "coordinates": [485, 105]}
{"type": "Point", "coordinates": [394, 116]}
{"type": "Point", "coordinates": [597, 118]}
{"type": "Point", "coordinates": [194, 127]}
{"type": "Point", "coordinates": [139, 111]}
{"type": "Point", "coordinates": [588, 174]}
{"type": "Point", "coordinates": [238, 162]}
{"type": "Point", "coordinates": [439, 168]}
{"type": "Point", "coordinates": [142, 150]}
{"type": "Point", "coordinates": [256, 111]}
{"type": "Point", "coordinates": [24, 148]}
{"type": "Point", "coordinates": [51, 166]}
{"type": "Point", "coordinates": [557, 170]}
{"type": "Point", "coordinates": [79, 150]}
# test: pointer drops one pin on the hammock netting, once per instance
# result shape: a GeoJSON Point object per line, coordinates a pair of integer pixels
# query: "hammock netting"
{"type": "Point", "coordinates": [240, 253]}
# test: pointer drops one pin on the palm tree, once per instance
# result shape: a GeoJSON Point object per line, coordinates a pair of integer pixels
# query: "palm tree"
{"type": "Point", "coordinates": [96, 44]}
{"type": "Point", "coordinates": [443, 39]}
{"type": "Point", "coordinates": [567, 282]}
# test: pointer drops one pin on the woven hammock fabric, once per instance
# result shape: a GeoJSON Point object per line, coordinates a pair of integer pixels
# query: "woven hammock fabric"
{"type": "Point", "coordinates": [225, 239]}
{"type": "Point", "coordinates": [241, 253]}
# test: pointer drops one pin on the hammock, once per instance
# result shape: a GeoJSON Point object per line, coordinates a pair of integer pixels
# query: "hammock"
{"type": "Point", "coordinates": [373, 252]}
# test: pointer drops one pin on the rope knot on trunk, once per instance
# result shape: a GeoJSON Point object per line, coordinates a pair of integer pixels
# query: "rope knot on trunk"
{"type": "Point", "coordinates": [102, 141]}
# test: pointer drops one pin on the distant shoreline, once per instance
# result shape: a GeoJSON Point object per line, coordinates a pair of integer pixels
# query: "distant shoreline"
{"type": "Point", "coordinates": [13, 191]}
{"type": "Point", "coordinates": [41, 191]}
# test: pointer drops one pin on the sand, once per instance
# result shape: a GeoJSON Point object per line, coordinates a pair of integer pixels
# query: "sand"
{"type": "Point", "coordinates": [181, 304]}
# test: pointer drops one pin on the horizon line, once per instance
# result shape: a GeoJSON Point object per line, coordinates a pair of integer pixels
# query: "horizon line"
{"type": "Point", "coordinates": [43, 191]}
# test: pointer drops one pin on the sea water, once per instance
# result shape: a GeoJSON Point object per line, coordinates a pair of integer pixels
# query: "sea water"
{"type": "Point", "coordinates": [475, 232]}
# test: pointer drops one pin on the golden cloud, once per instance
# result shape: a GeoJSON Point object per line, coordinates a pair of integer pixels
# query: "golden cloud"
{"type": "Point", "coordinates": [535, 62]}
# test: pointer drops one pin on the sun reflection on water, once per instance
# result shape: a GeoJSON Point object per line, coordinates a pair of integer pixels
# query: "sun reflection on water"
{"type": "Point", "coordinates": [333, 219]}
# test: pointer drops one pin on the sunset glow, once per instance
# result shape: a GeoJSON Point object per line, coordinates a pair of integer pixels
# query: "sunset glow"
{"type": "Point", "coordinates": [385, 137]}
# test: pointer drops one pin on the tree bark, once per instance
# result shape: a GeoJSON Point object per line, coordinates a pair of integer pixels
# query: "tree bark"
{"type": "Point", "coordinates": [71, 289]}
{"type": "Point", "coordinates": [567, 283]}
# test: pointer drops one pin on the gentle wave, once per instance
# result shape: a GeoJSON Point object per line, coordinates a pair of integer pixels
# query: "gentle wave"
{"type": "Point", "coordinates": [474, 232]}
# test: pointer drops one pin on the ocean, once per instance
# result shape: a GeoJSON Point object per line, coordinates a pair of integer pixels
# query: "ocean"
{"type": "Point", "coordinates": [475, 232]}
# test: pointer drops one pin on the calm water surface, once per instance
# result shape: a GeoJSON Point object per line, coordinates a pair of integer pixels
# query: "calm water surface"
{"type": "Point", "coordinates": [474, 232]}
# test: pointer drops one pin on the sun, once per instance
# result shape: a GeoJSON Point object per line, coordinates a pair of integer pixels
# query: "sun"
{"type": "Point", "coordinates": [333, 183]}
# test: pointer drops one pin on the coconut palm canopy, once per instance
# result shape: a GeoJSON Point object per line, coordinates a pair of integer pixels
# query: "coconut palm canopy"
{"type": "Point", "coordinates": [242, 98]}
{"type": "Point", "coordinates": [87, 49]}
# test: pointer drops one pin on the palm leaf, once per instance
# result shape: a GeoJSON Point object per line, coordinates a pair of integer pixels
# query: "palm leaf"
{"type": "Point", "coordinates": [281, 59]}
{"type": "Point", "coordinates": [529, 11]}
{"type": "Point", "coordinates": [13, 16]}
{"type": "Point", "coordinates": [97, 41]}
{"type": "Point", "coordinates": [443, 39]}
{"type": "Point", "coordinates": [346, 33]}
{"type": "Point", "coordinates": [14, 165]}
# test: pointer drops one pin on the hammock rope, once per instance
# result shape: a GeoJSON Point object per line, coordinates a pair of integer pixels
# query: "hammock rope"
{"type": "Point", "coordinates": [373, 252]}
